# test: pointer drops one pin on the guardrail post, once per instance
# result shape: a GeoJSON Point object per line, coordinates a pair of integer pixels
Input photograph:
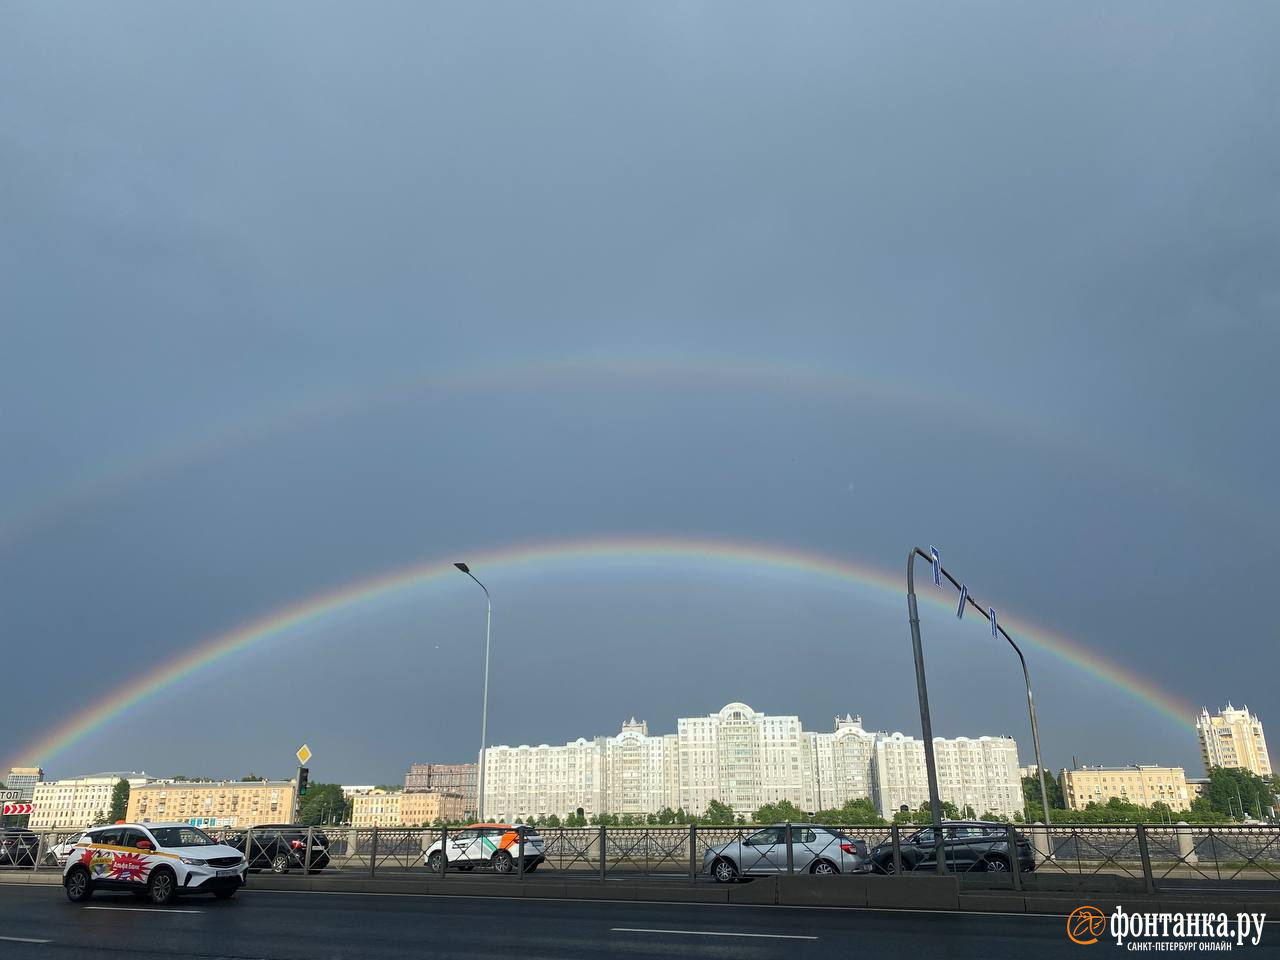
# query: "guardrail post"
{"type": "Point", "coordinates": [520, 861]}
{"type": "Point", "coordinates": [791, 851]}
{"type": "Point", "coordinates": [373, 852]}
{"type": "Point", "coordinates": [603, 858]}
{"type": "Point", "coordinates": [896, 839]}
{"type": "Point", "coordinates": [35, 867]}
{"type": "Point", "coordinates": [306, 859]}
{"type": "Point", "coordinates": [1015, 856]}
{"type": "Point", "coordinates": [444, 851]}
{"type": "Point", "coordinates": [1186, 844]}
{"type": "Point", "coordinates": [1148, 879]}
{"type": "Point", "coordinates": [693, 853]}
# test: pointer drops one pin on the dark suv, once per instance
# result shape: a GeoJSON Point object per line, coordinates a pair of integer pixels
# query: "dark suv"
{"type": "Point", "coordinates": [18, 847]}
{"type": "Point", "coordinates": [281, 847]}
{"type": "Point", "coordinates": [967, 845]}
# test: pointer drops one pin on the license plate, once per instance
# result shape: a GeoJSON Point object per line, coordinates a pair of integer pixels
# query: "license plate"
{"type": "Point", "coordinates": [228, 873]}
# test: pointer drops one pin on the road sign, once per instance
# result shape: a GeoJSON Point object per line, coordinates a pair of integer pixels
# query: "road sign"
{"type": "Point", "coordinates": [10, 796]}
{"type": "Point", "coordinates": [16, 809]}
{"type": "Point", "coordinates": [964, 598]}
{"type": "Point", "coordinates": [303, 754]}
{"type": "Point", "coordinates": [991, 612]}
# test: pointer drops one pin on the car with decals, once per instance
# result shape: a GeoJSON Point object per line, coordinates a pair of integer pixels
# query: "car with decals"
{"type": "Point", "coordinates": [492, 845]}
{"type": "Point", "coordinates": [155, 861]}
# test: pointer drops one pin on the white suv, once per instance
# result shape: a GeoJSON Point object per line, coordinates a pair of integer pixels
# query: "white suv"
{"type": "Point", "coordinates": [157, 861]}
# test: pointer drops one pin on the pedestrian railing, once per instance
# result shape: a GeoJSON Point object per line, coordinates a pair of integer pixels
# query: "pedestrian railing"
{"type": "Point", "coordinates": [1143, 856]}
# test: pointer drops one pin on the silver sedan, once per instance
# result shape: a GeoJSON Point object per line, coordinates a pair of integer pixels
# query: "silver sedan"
{"type": "Point", "coordinates": [814, 849]}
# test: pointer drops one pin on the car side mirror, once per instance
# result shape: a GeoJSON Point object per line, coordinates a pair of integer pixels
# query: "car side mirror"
{"type": "Point", "coordinates": [145, 845]}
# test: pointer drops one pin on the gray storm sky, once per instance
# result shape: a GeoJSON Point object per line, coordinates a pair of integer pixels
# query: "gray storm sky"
{"type": "Point", "coordinates": [294, 294]}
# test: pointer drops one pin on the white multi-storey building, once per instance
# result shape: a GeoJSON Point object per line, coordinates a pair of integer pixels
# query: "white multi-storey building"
{"type": "Point", "coordinates": [747, 759]}
{"type": "Point", "coordinates": [641, 772]}
{"type": "Point", "coordinates": [740, 757]}
{"type": "Point", "coordinates": [838, 765]}
{"type": "Point", "coordinates": [978, 773]}
{"type": "Point", "coordinates": [1233, 738]}
{"type": "Point", "coordinates": [538, 781]}
{"type": "Point", "coordinates": [77, 802]}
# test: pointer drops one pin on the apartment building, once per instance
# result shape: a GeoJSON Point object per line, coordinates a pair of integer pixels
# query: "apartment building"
{"type": "Point", "coordinates": [527, 781]}
{"type": "Point", "coordinates": [640, 772]}
{"type": "Point", "coordinates": [1233, 738]}
{"type": "Point", "coordinates": [24, 780]}
{"type": "Point", "coordinates": [401, 809]}
{"type": "Point", "coordinates": [453, 778]}
{"type": "Point", "coordinates": [980, 773]}
{"type": "Point", "coordinates": [746, 759]}
{"type": "Point", "coordinates": [226, 803]}
{"type": "Point", "coordinates": [78, 802]}
{"type": "Point", "coordinates": [1140, 784]}
{"type": "Point", "coordinates": [838, 765]}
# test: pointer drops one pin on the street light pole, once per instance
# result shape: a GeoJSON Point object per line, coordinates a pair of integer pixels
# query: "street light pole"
{"type": "Point", "coordinates": [484, 713]}
{"type": "Point", "coordinates": [924, 703]}
{"type": "Point", "coordinates": [926, 724]}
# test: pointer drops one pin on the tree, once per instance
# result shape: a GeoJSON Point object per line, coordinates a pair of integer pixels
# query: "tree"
{"type": "Point", "coordinates": [1237, 792]}
{"type": "Point", "coordinates": [718, 814]}
{"type": "Point", "coordinates": [119, 801]}
{"type": "Point", "coordinates": [552, 821]}
{"type": "Point", "coordinates": [784, 811]}
{"type": "Point", "coordinates": [1031, 795]}
{"type": "Point", "coordinates": [250, 778]}
{"type": "Point", "coordinates": [324, 803]}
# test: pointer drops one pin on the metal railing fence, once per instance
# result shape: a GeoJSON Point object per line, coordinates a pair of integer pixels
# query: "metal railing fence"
{"type": "Point", "coordinates": [1146, 856]}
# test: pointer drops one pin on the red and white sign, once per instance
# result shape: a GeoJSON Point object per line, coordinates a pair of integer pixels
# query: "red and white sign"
{"type": "Point", "coordinates": [16, 809]}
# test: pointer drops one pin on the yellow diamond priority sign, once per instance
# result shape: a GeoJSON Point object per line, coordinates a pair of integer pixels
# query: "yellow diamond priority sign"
{"type": "Point", "coordinates": [304, 754]}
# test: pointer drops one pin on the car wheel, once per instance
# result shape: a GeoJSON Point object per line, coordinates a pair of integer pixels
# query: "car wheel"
{"type": "Point", "coordinates": [435, 862]}
{"type": "Point", "coordinates": [78, 885]}
{"type": "Point", "coordinates": [502, 862]}
{"type": "Point", "coordinates": [225, 894]}
{"type": "Point", "coordinates": [280, 863]}
{"type": "Point", "coordinates": [724, 871]}
{"type": "Point", "coordinates": [162, 888]}
{"type": "Point", "coordinates": [824, 868]}
{"type": "Point", "coordinates": [997, 865]}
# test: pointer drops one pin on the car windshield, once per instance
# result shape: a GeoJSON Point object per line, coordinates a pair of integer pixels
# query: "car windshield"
{"type": "Point", "coordinates": [182, 837]}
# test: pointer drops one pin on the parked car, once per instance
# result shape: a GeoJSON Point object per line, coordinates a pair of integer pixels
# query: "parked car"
{"type": "Point", "coordinates": [967, 845]}
{"type": "Point", "coordinates": [493, 845]}
{"type": "Point", "coordinates": [18, 847]}
{"type": "Point", "coordinates": [155, 861]}
{"type": "Point", "coordinates": [57, 853]}
{"type": "Point", "coordinates": [281, 847]}
{"type": "Point", "coordinates": [814, 849]}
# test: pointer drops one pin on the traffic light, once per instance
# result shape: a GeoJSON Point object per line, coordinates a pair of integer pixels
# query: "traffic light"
{"type": "Point", "coordinates": [303, 773]}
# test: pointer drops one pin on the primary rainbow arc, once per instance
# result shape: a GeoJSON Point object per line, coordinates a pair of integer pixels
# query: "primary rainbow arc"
{"type": "Point", "coordinates": [765, 556]}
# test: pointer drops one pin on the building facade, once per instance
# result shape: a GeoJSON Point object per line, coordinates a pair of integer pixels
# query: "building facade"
{"type": "Point", "coordinates": [78, 802]}
{"type": "Point", "coordinates": [226, 803]}
{"type": "Point", "coordinates": [1140, 784]}
{"type": "Point", "coordinates": [1233, 738]}
{"type": "Point", "coordinates": [455, 778]}
{"type": "Point", "coordinates": [746, 759]}
{"type": "Point", "coordinates": [400, 809]}
{"type": "Point", "coordinates": [24, 780]}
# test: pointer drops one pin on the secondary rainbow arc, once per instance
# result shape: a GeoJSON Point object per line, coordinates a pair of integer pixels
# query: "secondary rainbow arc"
{"type": "Point", "coordinates": [765, 556]}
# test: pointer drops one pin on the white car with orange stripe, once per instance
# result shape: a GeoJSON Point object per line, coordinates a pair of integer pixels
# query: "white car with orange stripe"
{"type": "Point", "coordinates": [495, 845]}
{"type": "Point", "coordinates": [156, 861]}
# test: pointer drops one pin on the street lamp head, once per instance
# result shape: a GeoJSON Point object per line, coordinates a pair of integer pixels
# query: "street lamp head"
{"type": "Point", "coordinates": [463, 567]}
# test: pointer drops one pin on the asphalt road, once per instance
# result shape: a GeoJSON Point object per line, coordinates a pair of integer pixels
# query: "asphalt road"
{"type": "Point", "coordinates": [37, 923]}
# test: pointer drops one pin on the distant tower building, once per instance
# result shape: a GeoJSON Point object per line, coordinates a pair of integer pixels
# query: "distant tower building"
{"type": "Point", "coordinates": [1233, 738]}
{"type": "Point", "coordinates": [24, 779]}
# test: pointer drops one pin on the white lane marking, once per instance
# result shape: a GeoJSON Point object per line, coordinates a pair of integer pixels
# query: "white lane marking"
{"type": "Point", "coordinates": [24, 940]}
{"type": "Point", "coordinates": [146, 909]}
{"type": "Point", "coordinates": [711, 933]}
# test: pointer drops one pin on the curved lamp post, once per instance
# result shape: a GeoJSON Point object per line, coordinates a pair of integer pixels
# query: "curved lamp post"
{"type": "Point", "coordinates": [484, 714]}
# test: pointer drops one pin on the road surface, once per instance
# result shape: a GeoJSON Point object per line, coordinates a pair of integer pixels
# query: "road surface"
{"type": "Point", "coordinates": [37, 923]}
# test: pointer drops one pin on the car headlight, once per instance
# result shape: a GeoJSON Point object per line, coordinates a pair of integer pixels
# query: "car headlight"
{"type": "Point", "coordinates": [193, 862]}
